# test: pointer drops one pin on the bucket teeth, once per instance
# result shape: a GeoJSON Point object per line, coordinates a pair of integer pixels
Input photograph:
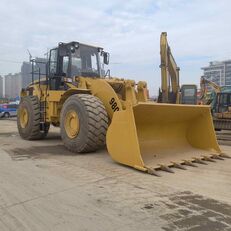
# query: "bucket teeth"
{"type": "Point", "coordinates": [189, 163]}
{"type": "Point", "coordinates": [199, 161]}
{"type": "Point", "coordinates": [215, 156]}
{"type": "Point", "coordinates": [180, 166]}
{"type": "Point", "coordinates": [208, 159]}
{"type": "Point", "coordinates": [166, 168]}
{"type": "Point", "coordinates": [224, 155]}
{"type": "Point", "coordinates": [153, 172]}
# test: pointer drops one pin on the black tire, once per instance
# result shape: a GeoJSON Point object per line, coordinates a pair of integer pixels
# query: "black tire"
{"type": "Point", "coordinates": [6, 115]}
{"type": "Point", "coordinates": [32, 130]}
{"type": "Point", "coordinates": [93, 123]}
{"type": "Point", "coordinates": [217, 129]}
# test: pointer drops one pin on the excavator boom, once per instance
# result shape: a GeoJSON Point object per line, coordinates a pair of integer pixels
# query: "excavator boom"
{"type": "Point", "coordinates": [170, 87]}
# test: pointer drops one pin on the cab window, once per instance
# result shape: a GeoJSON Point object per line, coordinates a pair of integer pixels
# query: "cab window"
{"type": "Point", "coordinates": [65, 65]}
{"type": "Point", "coordinates": [53, 61]}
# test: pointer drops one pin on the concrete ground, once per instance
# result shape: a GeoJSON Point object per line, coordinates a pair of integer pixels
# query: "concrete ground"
{"type": "Point", "coordinates": [45, 187]}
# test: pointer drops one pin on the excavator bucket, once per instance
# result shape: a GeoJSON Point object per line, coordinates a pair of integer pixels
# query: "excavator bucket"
{"type": "Point", "coordinates": [152, 136]}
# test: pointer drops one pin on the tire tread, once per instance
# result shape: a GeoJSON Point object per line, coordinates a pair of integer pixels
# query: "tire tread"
{"type": "Point", "coordinates": [97, 123]}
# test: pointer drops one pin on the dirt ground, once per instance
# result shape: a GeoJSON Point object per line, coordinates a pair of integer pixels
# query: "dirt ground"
{"type": "Point", "coordinates": [45, 187]}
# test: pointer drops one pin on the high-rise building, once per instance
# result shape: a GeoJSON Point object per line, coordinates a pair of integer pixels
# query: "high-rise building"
{"type": "Point", "coordinates": [12, 85]}
{"type": "Point", "coordinates": [26, 71]}
{"type": "Point", "coordinates": [218, 72]}
{"type": "Point", "coordinates": [1, 87]}
{"type": "Point", "coordinates": [14, 82]}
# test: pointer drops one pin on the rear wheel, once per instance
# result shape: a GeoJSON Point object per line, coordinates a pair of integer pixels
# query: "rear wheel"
{"type": "Point", "coordinates": [84, 123]}
{"type": "Point", "coordinates": [28, 119]}
{"type": "Point", "coordinates": [7, 115]}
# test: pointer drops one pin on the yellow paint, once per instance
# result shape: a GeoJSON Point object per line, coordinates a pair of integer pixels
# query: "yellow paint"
{"type": "Point", "coordinates": [149, 135]}
{"type": "Point", "coordinates": [142, 91]}
{"type": "Point", "coordinates": [169, 71]}
{"type": "Point", "coordinates": [142, 134]}
{"type": "Point", "coordinates": [104, 91]}
{"type": "Point", "coordinates": [71, 124]}
{"type": "Point", "coordinates": [55, 95]}
{"type": "Point", "coordinates": [23, 117]}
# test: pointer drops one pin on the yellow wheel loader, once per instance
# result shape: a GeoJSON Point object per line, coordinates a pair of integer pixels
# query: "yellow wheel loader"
{"type": "Point", "coordinates": [92, 110]}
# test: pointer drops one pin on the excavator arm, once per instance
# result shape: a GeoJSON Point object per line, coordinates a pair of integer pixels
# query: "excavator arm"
{"type": "Point", "coordinates": [203, 83]}
{"type": "Point", "coordinates": [170, 89]}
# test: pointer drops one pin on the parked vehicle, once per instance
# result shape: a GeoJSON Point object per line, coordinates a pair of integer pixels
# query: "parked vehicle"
{"type": "Point", "coordinates": [8, 110]}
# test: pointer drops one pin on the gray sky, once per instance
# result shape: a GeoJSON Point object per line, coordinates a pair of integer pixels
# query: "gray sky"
{"type": "Point", "coordinates": [198, 32]}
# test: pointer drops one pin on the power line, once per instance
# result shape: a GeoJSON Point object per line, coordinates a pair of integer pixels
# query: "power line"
{"type": "Point", "coordinates": [9, 61]}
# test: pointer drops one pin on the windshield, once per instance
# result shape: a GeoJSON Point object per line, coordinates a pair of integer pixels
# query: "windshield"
{"type": "Point", "coordinates": [85, 62]}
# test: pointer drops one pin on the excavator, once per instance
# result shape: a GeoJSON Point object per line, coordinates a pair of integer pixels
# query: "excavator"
{"type": "Point", "coordinates": [93, 109]}
{"type": "Point", "coordinates": [170, 91]}
{"type": "Point", "coordinates": [220, 101]}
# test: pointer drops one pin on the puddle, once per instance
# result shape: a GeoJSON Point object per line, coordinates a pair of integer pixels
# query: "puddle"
{"type": "Point", "coordinates": [37, 152]}
{"type": "Point", "coordinates": [196, 213]}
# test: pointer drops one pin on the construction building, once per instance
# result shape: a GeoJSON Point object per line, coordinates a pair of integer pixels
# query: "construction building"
{"type": "Point", "coordinates": [26, 73]}
{"type": "Point", "coordinates": [218, 72]}
{"type": "Point", "coordinates": [12, 85]}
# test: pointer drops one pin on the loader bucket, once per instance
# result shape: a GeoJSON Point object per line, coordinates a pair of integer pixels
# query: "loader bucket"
{"type": "Point", "coordinates": [152, 136]}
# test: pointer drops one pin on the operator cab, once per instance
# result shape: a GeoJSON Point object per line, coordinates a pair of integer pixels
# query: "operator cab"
{"type": "Point", "coordinates": [189, 94]}
{"type": "Point", "coordinates": [222, 102]}
{"type": "Point", "coordinates": [75, 59]}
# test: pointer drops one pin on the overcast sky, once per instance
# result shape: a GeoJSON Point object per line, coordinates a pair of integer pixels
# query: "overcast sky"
{"type": "Point", "coordinates": [198, 32]}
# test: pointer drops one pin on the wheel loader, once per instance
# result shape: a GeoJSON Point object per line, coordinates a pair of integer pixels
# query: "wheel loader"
{"type": "Point", "coordinates": [93, 109]}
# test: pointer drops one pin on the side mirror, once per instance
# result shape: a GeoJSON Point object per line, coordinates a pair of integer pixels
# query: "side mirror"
{"type": "Point", "coordinates": [72, 49]}
{"type": "Point", "coordinates": [106, 56]}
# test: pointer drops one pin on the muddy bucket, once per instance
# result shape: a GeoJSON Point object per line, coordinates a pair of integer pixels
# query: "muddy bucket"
{"type": "Point", "coordinates": [152, 136]}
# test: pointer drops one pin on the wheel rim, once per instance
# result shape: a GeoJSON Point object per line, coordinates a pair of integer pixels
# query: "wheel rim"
{"type": "Point", "coordinates": [71, 124]}
{"type": "Point", "coordinates": [24, 117]}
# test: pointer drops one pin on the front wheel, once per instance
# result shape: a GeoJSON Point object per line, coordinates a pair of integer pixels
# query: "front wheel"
{"type": "Point", "coordinates": [84, 123]}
